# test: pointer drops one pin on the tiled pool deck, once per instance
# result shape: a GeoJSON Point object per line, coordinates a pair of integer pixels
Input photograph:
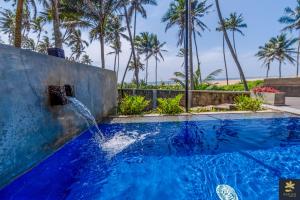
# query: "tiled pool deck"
{"type": "Point", "coordinates": [292, 106]}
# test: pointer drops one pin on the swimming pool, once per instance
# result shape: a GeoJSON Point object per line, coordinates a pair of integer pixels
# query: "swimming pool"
{"type": "Point", "coordinates": [170, 158]}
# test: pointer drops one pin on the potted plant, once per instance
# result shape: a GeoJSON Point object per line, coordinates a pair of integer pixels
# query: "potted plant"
{"type": "Point", "coordinates": [269, 95]}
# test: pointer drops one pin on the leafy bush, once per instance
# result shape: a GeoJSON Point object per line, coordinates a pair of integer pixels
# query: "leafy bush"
{"type": "Point", "coordinates": [246, 103]}
{"type": "Point", "coordinates": [133, 105]}
{"type": "Point", "coordinates": [170, 105]}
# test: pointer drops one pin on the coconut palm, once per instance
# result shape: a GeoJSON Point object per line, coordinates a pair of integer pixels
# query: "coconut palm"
{"type": "Point", "coordinates": [283, 50]}
{"type": "Point", "coordinates": [37, 26]}
{"type": "Point", "coordinates": [144, 44]}
{"type": "Point", "coordinates": [292, 21]}
{"type": "Point", "coordinates": [115, 33]}
{"type": "Point", "coordinates": [137, 6]}
{"type": "Point", "coordinates": [234, 24]}
{"type": "Point", "coordinates": [86, 60]}
{"type": "Point", "coordinates": [224, 48]}
{"type": "Point", "coordinates": [7, 24]}
{"type": "Point", "coordinates": [44, 45]}
{"type": "Point", "coordinates": [138, 66]}
{"type": "Point", "coordinates": [266, 54]}
{"type": "Point", "coordinates": [77, 44]}
{"type": "Point", "coordinates": [221, 19]}
{"type": "Point", "coordinates": [175, 16]}
{"type": "Point", "coordinates": [157, 52]}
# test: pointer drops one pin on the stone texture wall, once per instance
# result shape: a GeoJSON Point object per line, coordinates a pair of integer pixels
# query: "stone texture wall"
{"type": "Point", "coordinates": [291, 86]}
{"type": "Point", "coordinates": [31, 129]}
{"type": "Point", "coordinates": [198, 98]}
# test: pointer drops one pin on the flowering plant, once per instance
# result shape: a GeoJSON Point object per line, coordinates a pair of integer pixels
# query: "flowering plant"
{"type": "Point", "coordinates": [265, 89]}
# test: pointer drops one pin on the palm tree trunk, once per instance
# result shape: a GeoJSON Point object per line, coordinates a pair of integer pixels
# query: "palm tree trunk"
{"type": "Point", "coordinates": [243, 79]}
{"type": "Point", "coordinates": [225, 62]}
{"type": "Point", "coordinates": [118, 65]}
{"type": "Point", "coordinates": [268, 70]}
{"type": "Point", "coordinates": [147, 63]}
{"type": "Point", "coordinates": [56, 25]}
{"type": "Point", "coordinates": [191, 46]}
{"type": "Point", "coordinates": [101, 38]}
{"type": "Point", "coordinates": [134, 28]}
{"type": "Point", "coordinates": [156, 70]}
{"type": "Point", "coordinates": [136, 72]}
{"type": "Point", "coordinates": [115, 62]}
{"type": "Point", "coordinates": [233, 40]}
{"type": "Point", "coordinates": [298, 56]}
{"type": "Point", "coordinates": [126, 69]}
{"type": "Point", "coordinates": [18, 29]}
{"type": "Point", "coordinates": [197, 55]}
{"type": "Point", "coordinates": [280, 63]}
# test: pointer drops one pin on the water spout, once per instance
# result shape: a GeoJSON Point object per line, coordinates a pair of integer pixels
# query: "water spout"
{"type": "Point", "coordinates": [82, 111]}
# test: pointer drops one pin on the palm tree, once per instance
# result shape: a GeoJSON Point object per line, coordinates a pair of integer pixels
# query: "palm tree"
{"type": "Point", "coordinates": [44, 45]}
{"type": "Point", "coordinates": [37, 26]}
{"type": "Point", "coordinates": [157, 52]}
{"type": "Point", "coordinates": [136, 66]}
{"type": "Point", "coordinates": [77, 44]}
{"type": "Point", "coordinates": [97, 15]}
{"type": "Point", "coordinates": [243, 79]}
{"type": "Point", "coordinates": [224, 48]}
{"type": "Point", "coordinates": [144, 44]}
{"type": "Point", "coordinates": [266, 54]}
{"type": "Point", "coordinates": [86, 60]}
{"type": "Point", "coordinates": [234, 24]}
{"type": "Point", "coordinates": [23, 7]}
{"type": "Point", "coordinates": [137, 6]}
{"type": "Point", "coordinates": [283, 50]}
{"type": "Point", "coordinates": [176, 16]}
{"type": "Point", "coordinates": [179, 78]}
{"type": "Point", "coordinates": [7, 24]}
{"type": "Point", "coordinates": [292, 20]}
{"type": "Point", "coordinates": [115, 33]}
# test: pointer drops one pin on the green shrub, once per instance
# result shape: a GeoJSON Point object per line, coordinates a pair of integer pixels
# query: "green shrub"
{"type": "Point", "coordinates": [246, 103]}
{"type": "Point", "coordinates": [133, 105]}
{"type": "Point", "coordinates": [170, 105]}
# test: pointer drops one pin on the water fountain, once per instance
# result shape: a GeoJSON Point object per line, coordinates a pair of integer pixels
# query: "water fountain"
{"type": "Point", "coordinates": [62, 95]}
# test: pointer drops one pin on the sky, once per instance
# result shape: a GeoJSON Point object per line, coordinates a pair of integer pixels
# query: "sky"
{"type": "Point", "coordinates": [261, 17]}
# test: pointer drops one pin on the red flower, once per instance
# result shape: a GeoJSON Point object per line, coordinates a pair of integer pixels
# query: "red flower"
{"type": "Point", "coordinates": [265, 89]}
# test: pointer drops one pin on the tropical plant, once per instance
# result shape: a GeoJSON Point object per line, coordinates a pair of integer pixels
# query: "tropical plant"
{"type": "Point", "coordinates": [7, 24]}
{"type": "Point", "coordinates": [44, 45]}
{"type": "Point", "coordinates": [292, 20]}
{"type": "Point", "coordinates": [137, 6]}
{"type": "Point", "coordinates": [157, 52]}
{"type": "Point", "coordinates": [234, 24]}
{"type": "Point", "coordinates": [170, 106]}
{"type": "Point", "coordinates": [282, 49]}
{"type": "Point", "coordinates": [180, 78]}
{"type": "Point", "coordinates": [37, 26]}
{"type": "Point", "coordinates": [85, 59]}
{"type": "Point", "coordinates": [77, 44]}
{"type": "Point", "coordinates": [133, 105]}
{"type": "Point", "coordinates": [144, 44]}
{"type": "Point", "coordinates": [224, 48]}
{"type": "Point", "coordinates": [266, 54]}
{"type": "Point", "coordinates": [246, 103]}
{"type": "Point", "coordinates": [136, 66]}
{"type": "Point", "coordinates": [175, 16]}
{"type": "Point", "coordinates": [221, 19]}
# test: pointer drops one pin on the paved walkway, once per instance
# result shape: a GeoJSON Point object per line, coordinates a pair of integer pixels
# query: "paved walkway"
{"type": "Point", "coordinates": [292, 106]}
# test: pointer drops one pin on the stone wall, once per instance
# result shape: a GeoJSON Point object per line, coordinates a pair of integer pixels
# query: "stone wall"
{"type": "Point", "coordinates": [31, 129]}
{"type": "Point", "coordinates": [198, 97]}
{"type": "Point", "coordinates": [291, 86]}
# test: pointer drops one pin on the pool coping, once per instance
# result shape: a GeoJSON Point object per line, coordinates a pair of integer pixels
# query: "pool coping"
{"type": "Point", "coordinates": [197, 116]}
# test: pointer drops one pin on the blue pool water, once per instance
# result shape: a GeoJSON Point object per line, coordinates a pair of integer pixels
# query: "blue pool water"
{"type": "Point", "coordinates": [170, 160]}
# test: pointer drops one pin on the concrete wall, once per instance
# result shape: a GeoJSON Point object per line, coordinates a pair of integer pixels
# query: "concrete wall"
{"type": "Point", "coordinates": [198, 97]}
{"type": "Point", "coordinates": [31, 129]}
{"type": "Point", "coordinates": [291, 86]}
